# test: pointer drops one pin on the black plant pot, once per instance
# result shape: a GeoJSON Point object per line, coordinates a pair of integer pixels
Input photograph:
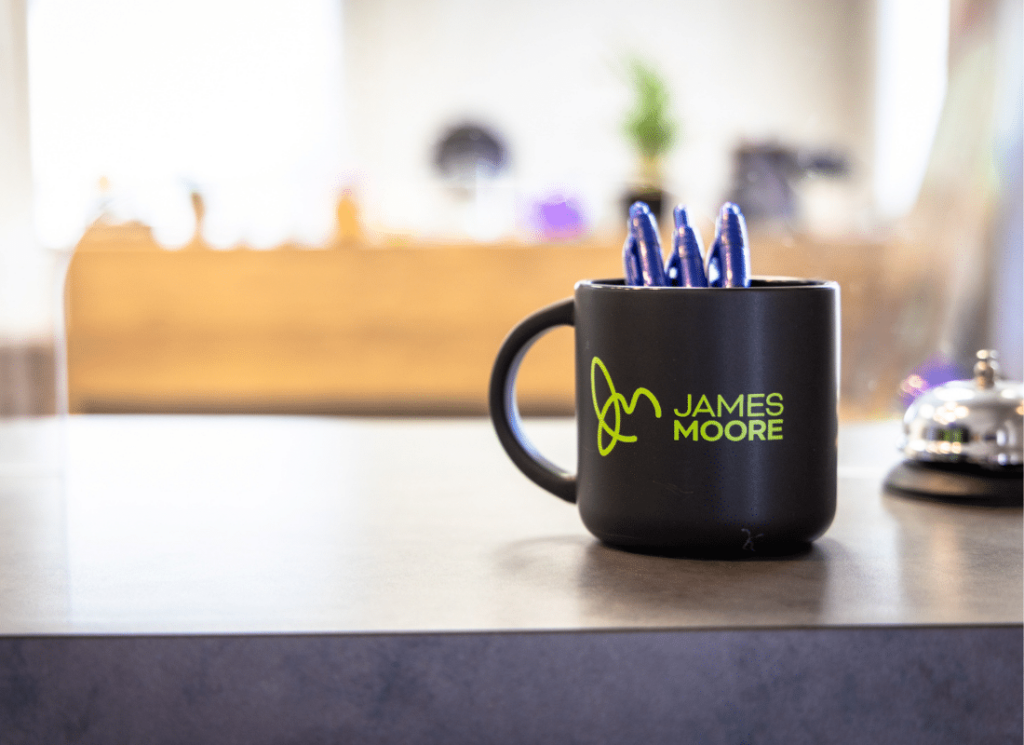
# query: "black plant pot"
{"type": "Point", "coordinates": [654, 198]}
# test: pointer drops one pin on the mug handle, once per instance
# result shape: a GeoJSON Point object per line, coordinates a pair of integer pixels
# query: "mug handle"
{"type": "Point", "coordinates": [505, 410]}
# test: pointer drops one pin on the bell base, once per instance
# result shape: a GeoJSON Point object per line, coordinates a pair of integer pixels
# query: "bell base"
{"type": "Point", "coordinates": [958, 484]}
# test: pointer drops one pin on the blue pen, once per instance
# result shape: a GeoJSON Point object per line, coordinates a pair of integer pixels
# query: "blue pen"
{"type": "Point", "coordinates": [685, 266]}
{"type": "Point", "coordinates": [631, 260]}
{"type": "Point", "coordinates": [729, 257]}
{"type": "Point", "coordinates": [645, 232]}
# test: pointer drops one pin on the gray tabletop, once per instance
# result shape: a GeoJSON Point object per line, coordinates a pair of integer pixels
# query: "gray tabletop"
{"type": "Point", "coordinates": [196, 525]}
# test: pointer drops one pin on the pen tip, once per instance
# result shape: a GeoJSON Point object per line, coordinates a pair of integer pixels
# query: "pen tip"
{"type": "Point", "coordinates": [638, 209]}
{"type": "Point", "coordinates": [682, 216]}
{"type": "Point", "coordinates": [731, 220]}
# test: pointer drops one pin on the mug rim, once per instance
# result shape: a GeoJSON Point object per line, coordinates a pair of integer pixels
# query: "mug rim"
{"type": "Point", "coordinates": [757, 283]}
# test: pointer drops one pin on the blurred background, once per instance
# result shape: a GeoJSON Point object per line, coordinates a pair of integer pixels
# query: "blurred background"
{"type": "Point", "coordinates": [342, 207]}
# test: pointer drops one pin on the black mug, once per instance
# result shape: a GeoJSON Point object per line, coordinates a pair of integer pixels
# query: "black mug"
{"type": "Point", "coordinates": [706, 417]}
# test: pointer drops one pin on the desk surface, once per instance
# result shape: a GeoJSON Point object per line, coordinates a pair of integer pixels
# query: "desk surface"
{"type": "Point", "coordinates": [192, 525]}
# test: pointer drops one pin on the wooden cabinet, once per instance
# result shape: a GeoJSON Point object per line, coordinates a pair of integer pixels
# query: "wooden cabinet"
{"type": "Point", "coordinates": [355, 329]}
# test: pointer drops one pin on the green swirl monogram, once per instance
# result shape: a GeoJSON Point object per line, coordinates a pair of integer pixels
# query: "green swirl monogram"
{"type": "Point", "coordinates": [618, 402]}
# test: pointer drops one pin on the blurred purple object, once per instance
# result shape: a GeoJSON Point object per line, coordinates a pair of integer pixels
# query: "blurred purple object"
{"type": "Point", "coordinates": [934, 372]}
{"type": "Point", "coordinates": [560, 217]}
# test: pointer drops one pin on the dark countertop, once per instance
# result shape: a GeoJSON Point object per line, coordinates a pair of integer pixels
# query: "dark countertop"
{"type": "Point", "coordinates": [191, 525]}
{"type": "Point", "coordinates": [248, 549]}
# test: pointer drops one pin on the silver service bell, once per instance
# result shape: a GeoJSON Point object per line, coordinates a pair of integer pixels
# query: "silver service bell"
{"type": "Point", "coordinates": [964, 441]}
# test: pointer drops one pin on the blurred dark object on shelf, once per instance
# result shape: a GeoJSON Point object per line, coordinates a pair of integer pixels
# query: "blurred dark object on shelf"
{"type": "Point", "coordinates": [765, 174]}
{"type": "Point", "coordinates": [469, 153]}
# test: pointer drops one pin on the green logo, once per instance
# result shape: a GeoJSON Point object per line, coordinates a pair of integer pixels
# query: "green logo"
{"type": "Point", "coordinates": [618, 402]}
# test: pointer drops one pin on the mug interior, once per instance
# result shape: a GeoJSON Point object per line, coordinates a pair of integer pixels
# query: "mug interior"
{"type": "Point", "coordinates": [755, 283]}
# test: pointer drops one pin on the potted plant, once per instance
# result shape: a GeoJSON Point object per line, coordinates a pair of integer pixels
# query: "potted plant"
{"type": "Point", "coordinates": [652, 132]}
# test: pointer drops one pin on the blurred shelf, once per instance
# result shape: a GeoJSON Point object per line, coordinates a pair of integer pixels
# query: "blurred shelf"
{"type": "Point", "coordinates": [355, 329]}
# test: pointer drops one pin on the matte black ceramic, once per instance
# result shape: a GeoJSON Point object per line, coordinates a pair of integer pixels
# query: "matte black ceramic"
{"type": "Point", "coordinates": [706, 418]}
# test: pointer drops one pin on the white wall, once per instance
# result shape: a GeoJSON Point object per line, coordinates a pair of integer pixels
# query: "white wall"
{"type": "Point", "coordinates": [910, 86]}
{"type": "Point", "coordinates": [15, 168]}
{"type": "Point", "coordinates": [549, 76]}
{"type": "Point", "coordinates": [238, 98]}
{"type": "Point", "coordinates": [27, 280]}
